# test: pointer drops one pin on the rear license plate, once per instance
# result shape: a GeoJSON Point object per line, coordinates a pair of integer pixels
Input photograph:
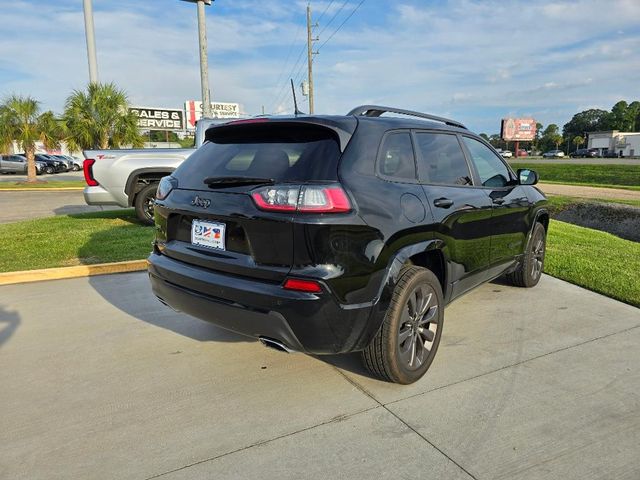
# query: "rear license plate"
{"type": "Point", "coordinates": [207, 234]}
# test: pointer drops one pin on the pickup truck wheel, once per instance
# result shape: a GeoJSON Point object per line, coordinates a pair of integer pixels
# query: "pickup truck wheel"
{"type": "Point", "coordinates": [406, 344]}
{"type": "Point", "coordinates": [144, 203]}
{"type": "Point", "coordinates": [529, 271]}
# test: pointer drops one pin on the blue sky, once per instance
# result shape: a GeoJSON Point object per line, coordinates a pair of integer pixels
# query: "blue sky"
{"type": "Point", "coordinates": [476, 61]}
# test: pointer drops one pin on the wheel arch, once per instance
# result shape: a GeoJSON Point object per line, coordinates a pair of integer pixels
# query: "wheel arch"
{"type": "Point", "coordinates": [142, 177]}
{"type": "Point", "coordinates": [429, 253]}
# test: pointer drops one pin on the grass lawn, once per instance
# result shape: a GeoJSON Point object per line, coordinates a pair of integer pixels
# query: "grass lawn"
{"type": "Point", "coordinates": [594, 260]}
{"type": "Point", "coordinates": [7, 185]}
{"type": "Point", "coordinates": [614, 176]}
{"type": "Point", "coordinates": [73, 240]}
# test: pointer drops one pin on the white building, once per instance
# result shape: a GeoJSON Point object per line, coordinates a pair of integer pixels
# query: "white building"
{"type": "Point", "coordinates": [624, 144]}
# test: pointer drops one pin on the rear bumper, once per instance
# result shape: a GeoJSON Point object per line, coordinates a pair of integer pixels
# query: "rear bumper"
{"type": "Point", "coordinates": [306, 322]}
{"type": "Point", "coordinates": [99, 196]}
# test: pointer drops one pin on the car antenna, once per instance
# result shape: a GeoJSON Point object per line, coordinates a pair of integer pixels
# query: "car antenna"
{"type": "Point", "coordinates": [295, 101]}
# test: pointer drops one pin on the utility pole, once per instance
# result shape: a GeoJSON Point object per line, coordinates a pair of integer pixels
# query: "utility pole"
{"type": "Point", "coordinates": [91, 41]}
{"type": "Point", "coordinates": [310, 54]}
{"type": "Point", "coordinates": [204, 63]}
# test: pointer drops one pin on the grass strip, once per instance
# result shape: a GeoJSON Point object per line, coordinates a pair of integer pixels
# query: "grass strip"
{"type": "Point", "coordinates": [80, 239]}
{"type": "Point", "coordinates": [595, 260]}
{"type": "Point", "coordinates": [558, 203]}
{"type": "Point", "coordinates": [611, 176]}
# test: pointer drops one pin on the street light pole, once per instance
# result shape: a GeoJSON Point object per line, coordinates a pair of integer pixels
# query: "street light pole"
{"type": "Point", "coordinates": [91, 41]}
{"type": "Point", "coordinates": [204, 63]}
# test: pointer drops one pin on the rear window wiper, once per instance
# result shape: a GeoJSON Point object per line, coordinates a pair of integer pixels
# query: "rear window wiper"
{"type": "Point", "coordinates": [237, 181]}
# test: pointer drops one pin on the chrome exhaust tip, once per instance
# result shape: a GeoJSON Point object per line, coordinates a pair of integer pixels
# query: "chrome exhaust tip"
{"type": "Point", "coordinates": [275, 344]}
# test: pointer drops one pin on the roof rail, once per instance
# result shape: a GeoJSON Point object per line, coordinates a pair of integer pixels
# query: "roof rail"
{"type": "Point", "coordinates": [377, 110]}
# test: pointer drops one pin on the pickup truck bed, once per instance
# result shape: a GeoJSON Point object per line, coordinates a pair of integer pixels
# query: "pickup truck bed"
{"type": "Point", "coordinates": [128, 178]}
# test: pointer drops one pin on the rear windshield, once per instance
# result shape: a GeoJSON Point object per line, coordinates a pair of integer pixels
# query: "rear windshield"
{"type": "Point", "coordinates": [284, 153]}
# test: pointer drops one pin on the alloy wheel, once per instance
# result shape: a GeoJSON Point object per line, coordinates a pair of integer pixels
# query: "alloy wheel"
{"type": "Point", "coordinates": [537, 254]}
{"type": "Point", "coordinates": [418, 327]}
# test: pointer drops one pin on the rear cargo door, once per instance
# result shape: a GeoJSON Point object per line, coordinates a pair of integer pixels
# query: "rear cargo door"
{"type": "Point", "coordinates": [212, 220]}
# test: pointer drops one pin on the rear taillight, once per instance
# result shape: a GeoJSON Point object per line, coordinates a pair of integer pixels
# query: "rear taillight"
{"type": "Point", "coordinates": [87, 169]}
{"type": "Point", "coordinates": [302, 198]}
{"type": "Point", "coordinates": [299, 285]}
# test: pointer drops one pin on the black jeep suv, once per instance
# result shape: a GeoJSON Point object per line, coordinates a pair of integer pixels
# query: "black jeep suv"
{"type": "Point", "coordinates": [333, 234]}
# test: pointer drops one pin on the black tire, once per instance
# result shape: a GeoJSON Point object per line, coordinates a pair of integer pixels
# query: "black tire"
{"type": "Point", "coordinates": [49, 170]}
{"type": "Point", "coordinates": [75, 167]}
{"type": "Point", "coordinates": [398, 353]}
{"type": "Point", "coordinates": [530, 269]}
{"type": "Point", "coordinates": [144, 203]}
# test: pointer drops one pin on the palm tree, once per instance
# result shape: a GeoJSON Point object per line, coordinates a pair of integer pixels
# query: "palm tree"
{"type": "Point", "coordinates": [21, 121]}
{"type": "Point", "coordinates": [99, 118]}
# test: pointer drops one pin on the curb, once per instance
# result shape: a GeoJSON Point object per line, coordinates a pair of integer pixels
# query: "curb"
{"type": "Point", "coordinates": [28, 276]}
{"type": "Point", "coordinates": [42, 189]}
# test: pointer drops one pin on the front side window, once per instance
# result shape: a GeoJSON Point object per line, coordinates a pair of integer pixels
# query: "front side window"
{"type": "Point", "coordinates": [492, 171]}
{"type": "Point", "coordinates": [396, 157]}
{"type": "Point", "coordinates": [441, 160]}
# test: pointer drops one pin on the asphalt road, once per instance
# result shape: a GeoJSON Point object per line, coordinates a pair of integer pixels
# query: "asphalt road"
{"type": "Point", "coordinates": [99, 380]}
{"type": "Point", "coordinates": [16, 206]}
{"type": "Point", "coordinates": [68, 176]}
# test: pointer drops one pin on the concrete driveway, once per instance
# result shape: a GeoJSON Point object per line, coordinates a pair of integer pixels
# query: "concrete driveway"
{"type": "Point", "coordinates": [99, 380]}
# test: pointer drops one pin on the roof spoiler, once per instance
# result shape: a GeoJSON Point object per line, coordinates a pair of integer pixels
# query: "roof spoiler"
{"type": "Point", "coordinates": [343, 128]}
{"type": "Point", "coordinates": [378, 110]}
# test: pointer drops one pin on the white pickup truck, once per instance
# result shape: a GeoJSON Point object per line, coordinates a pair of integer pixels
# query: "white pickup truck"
{"type": "Point", "coordinates": [129, 178]}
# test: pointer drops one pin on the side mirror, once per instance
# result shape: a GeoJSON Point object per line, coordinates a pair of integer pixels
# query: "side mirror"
{"type": "Point", "coordinates": [527, 177]}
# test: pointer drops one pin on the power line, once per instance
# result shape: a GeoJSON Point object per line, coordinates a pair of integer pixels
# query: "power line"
{"type": "Point", "coordinates": [334, 17]}
{"type": "Point", "coordinates": [285, 84]}
{"type": "Point", "coordinates": [325, 10]}
{"type": "Point", "coordinates": [342, 24]}
{"type": "Point", "coordinates": [286, 62]}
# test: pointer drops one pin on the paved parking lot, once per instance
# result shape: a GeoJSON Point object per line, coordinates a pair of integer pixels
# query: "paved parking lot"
{"type": "Point", "coordinates": [18, 206]}
{"type": "Point", "coordinates": [67, 176]}
{"type": "Point", "coordinates": [99, 380]}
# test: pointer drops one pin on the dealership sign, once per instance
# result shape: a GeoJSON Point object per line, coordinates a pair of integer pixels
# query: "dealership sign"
{"type": "Point", "coordinates": [193, 108]}
{"type": "Point", "coordinates": [518, 129]}
{"type": "Point", "coordinates": [159, 118]}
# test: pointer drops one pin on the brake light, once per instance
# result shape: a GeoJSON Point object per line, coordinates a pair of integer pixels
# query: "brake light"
{"type": "Point", "coordinates": [304, 199]}
{"type": "Point", "coordinates": [248, 120]}
{"type": "Point", "coordinates": [87, 169]}
{"type": "Point", "coordinates": [309, 286]}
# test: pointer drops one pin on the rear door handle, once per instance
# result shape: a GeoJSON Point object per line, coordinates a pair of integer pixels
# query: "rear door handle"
{"type": "Point", "coordinates": [498, 201]}
{"type": "Point", "coordinates": [443, 202]}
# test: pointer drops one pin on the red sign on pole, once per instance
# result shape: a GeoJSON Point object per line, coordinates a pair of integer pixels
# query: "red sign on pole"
{"type": "Point", "coordinates": [518, 129]}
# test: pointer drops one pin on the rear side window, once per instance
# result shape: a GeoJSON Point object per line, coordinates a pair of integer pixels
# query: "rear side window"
{"type": "Point", "coordinates": [441, 160]}
{"type": "Point", "coordinates": [492, 171]}
{"type": "Point", "coordinates": [284, 153]}
{"type": "Point", "coordinates": [396, 160]}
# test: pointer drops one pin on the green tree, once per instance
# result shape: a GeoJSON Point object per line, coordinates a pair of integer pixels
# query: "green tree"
{"type": "Point", "coordinates": [590, 120]}
{"type": "Point", "coordinates": [98, 117]}
{"type": "Point", "coordinates": [550, 138]}
{"type": "Point", "coordinates": [634, 116]}
{"type": "Point", "coordinates": [21, 120]}
{"type": "Point", "coordinates": [577, 141]}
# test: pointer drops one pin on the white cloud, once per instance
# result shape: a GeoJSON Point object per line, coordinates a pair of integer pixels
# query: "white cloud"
{"type": "Point", "coordinates": [474, 60]}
